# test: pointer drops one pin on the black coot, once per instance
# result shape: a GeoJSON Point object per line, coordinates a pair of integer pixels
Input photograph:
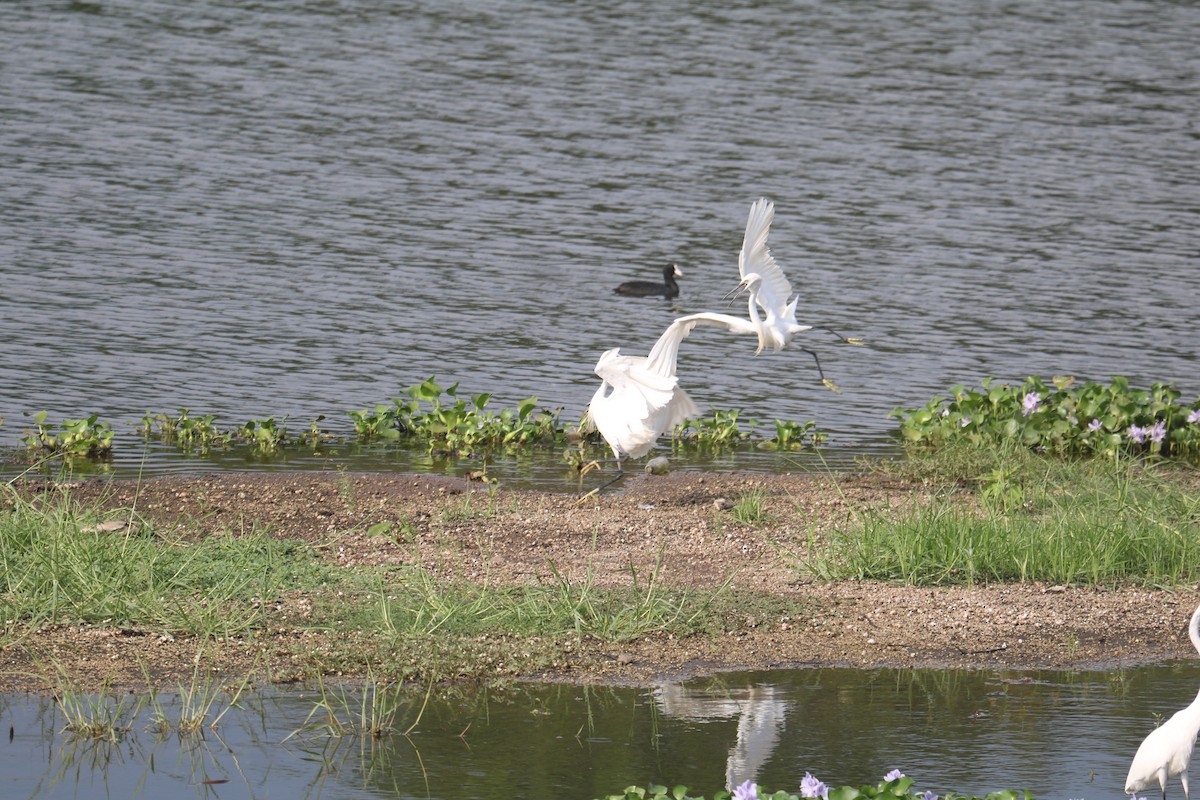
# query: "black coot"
{"type": "Point", "coordinates": [668, 288]}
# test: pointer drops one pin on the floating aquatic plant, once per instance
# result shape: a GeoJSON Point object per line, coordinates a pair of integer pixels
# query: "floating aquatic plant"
{"type": "Point", "coordinates": [791, 435]}
{"type": "Point", "coordinates": [1062, 417]}
{"type": "Point", "coordinates": [894, 786]}
{"type": "Point", "coordinates": [316, 436]}
{"type": "Point", "coordinates": [721, 428]}
{"type": "Point", "coordinates": [185, 431]}
{"type": "Point", "coordinates": [430, 415]}
{"type": "Point", "coordinates": [75, 438]}
{"type": "Point", "coordinates": [264, 435]}
{"type": "Point", "coordinates": [456, 426]}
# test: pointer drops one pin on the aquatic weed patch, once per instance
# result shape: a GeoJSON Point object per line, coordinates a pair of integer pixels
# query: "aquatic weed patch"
{"type": "Point", "coordinates": [431, 417]}
{"type": "Point", "coordinates": [724, 427]}
{"type": "Point", "coordinates": [894, 786]}
{"type": "Point", "coordinates": [73, 438]}
{"type": "Point", "coordinates": [456, 425]}
{"type": "Point", "coordinates": [1062, 418]}
{"type": "Point", "coordinates": [374, 714]}
{"type": "Point", "coordinates": [188, 433]}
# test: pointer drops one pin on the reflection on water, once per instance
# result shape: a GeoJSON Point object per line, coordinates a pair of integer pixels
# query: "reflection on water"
{"type": "Point", "coordinates": [760, 713]}
{"type": "Point", "coordinates": [537, 467]}
{"type": "Point", "coordinates": [1060, 734]}
{"type": "Point", "coordinates": [302, 208]}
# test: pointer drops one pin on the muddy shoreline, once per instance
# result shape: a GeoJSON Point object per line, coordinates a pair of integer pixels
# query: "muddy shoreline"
{"type": "Point", "coordinates": [678, 524]}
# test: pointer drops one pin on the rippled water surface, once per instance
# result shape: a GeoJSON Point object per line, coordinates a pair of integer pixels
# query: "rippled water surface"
{"type": "Point", "coordinates": [1059, 734]}
{"type": "Point", "coordinates": [301, 208]}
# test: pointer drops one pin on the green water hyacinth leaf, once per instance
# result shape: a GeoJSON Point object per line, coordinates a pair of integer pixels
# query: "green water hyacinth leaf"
{"type": "Point", "coordinates": [1063, 417]}
{"type": "Point", "coordinates": [456, 427]}
{"type": "Point", "coordinates": [74, 438]}
{"type": "Point", "coordinates": [188, 433]}
{"type": "Point", "coordinates": [899, 789]}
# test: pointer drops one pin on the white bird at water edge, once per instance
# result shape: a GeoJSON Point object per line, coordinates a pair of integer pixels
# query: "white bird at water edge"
{"type": "Point", "coordinates": [639, 398]}
{"type": "Point", "coordinates": [1167, 750]}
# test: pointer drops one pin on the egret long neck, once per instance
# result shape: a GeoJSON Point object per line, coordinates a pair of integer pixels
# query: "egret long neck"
{"type": "Point", "coordinates": [762, 338]}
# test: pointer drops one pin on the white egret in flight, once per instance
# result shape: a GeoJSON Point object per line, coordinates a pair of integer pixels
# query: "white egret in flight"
{"type": "Point", "coordinates": [1167, 751]}
{"type": "Point", "coordinates": [770, 289]}
{"type": "Point", "coordinates": [668, 288]}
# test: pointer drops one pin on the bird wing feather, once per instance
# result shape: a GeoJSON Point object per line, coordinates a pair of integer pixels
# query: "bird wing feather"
{"type": "Point", "coordinates": [639, 397]}
{"type": "Point", "coordinates": [640, 401]}
{"type": "Point", "coordinates": [665, 353]}
{"type": "Point", "coordinates": [756, 257]}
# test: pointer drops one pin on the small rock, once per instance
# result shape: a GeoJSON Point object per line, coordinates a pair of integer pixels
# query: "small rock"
{"type": "Point", "coordinates": [111, 526]}
{"type": "Point", "coordinates": [658, 466]}
{"type": "Point", "coordinates": [723, 504]}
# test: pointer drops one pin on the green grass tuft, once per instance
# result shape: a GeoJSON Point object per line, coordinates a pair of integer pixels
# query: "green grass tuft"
{"type": "Point", "coordinates": [1036, 519]}
{"type": "Point", "coordinates": [58, 564]}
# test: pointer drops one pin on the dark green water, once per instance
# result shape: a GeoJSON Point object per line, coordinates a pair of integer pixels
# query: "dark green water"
{"type": "Point", "coordinates": [1060, 734]}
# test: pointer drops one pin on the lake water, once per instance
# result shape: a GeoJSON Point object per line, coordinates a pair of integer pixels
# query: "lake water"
{"type": "Point", "coordinates": [1060, 734]}
{"type": "Point", "coordinates": [297, 209]}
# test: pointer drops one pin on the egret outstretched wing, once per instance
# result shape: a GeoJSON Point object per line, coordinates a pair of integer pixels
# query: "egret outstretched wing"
{"type": "Point", "coordinates": [755, 258]}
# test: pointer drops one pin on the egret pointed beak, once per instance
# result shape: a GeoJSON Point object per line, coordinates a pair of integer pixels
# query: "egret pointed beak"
{"type": "Point", "coordinates": [735, 292]}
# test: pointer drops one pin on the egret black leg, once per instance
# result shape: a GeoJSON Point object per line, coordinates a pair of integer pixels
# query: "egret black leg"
{"type": "Point", "coordinates": [830, 385]}
{"type": "Point", "coordinates": [620, 474]}
{"type": "Point", "coordinates": [817, 359]}
{"type": "Point", "coordinates": [854, 340]}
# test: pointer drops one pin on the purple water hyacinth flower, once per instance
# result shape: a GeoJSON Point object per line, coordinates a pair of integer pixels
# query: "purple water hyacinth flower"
{"type": "Point", "coordinates": [1031, 403]}
{"type": "Point", "coordinates": [811, 787]}
{"type": "Point", "coordinates": [894, 775]}
{"type": "Point", "coordinates": [1137, 433]}
{"type": "Point", "coordinates": [746, 791]}
{"type": "Point", "coordinates": [929, 795]}
{"type": "Point", "coordinates": [964, 422]}
{"type": "Point", "coordinates": [1194, 417]}
{"type": "Point", "coordinates": [1157, 431]}
{"type": "Point", "coordinates": [1095, 424]}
